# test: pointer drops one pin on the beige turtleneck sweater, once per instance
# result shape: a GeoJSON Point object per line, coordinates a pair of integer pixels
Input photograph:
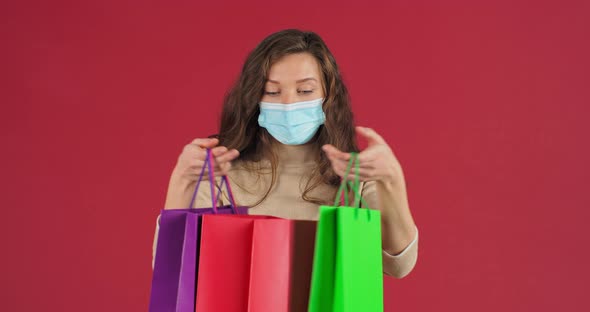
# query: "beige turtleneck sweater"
{"type": "Point", "coordinates": [285, 200]}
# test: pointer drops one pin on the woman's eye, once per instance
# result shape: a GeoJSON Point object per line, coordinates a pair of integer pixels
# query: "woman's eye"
{"type": "Point", "coordinates": [307, 91]}
{"type": "Point", "coordinates": [270, 93]}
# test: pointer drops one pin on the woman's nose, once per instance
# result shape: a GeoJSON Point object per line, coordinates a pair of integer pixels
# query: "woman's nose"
{"type": "Point", "coordinates": [289, 97]}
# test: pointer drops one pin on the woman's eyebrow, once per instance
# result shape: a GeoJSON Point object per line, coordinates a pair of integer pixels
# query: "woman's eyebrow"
{"type": "Point", "coordinates": [298, 81]}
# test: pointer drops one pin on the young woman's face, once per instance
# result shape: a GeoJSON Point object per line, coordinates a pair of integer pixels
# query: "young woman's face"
{"type": "Point", "coordinates": [293, 78]}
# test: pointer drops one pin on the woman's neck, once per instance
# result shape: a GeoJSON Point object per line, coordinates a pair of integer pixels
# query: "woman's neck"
{"type": "Point", "coordinates": [295, 154]}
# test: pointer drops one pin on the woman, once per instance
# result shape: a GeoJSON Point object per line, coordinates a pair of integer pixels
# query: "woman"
{"type": "Point", "coordinates": [285, 140]}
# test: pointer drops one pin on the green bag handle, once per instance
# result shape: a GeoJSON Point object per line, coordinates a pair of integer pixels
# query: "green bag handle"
{"type": "Point", "coordinates": [353, 185]}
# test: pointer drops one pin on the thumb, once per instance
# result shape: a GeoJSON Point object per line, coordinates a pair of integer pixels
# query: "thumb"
{"type": "Point", "coordinates": [206, 143]}
{"type": "Point", "coordinates": [371, 136]}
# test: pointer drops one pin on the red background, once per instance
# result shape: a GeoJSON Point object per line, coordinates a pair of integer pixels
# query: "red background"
{"type": "Point", "coordinates": [485, 106]}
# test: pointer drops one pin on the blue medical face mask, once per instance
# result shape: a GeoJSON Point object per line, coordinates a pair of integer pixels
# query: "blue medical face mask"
{"type": "Point", "coordinates": [292, 124]}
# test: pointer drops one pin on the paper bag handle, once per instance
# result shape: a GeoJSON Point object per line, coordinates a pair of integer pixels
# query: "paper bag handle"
{"type": "Point", "coordinates": [224, 180]}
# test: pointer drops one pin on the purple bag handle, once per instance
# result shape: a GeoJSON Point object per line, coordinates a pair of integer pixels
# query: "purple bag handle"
{"type": "Point", "coordinates": [230, 194]}
{"type": "Point", "coordinates": [224, 180]}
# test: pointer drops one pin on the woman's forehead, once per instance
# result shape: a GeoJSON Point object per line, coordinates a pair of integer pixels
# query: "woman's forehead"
{"type": "Point", "coordinates": [295, 68]}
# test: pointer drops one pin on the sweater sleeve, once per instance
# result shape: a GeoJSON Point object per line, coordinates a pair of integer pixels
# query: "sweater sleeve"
{"type": "Point", "coordinates": [401, 264]}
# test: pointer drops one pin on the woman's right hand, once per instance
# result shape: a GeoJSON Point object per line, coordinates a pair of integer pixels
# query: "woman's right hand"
{"type": "Point", "coordinates": [188, 169]}
{"type": "Point", "coordinates": [192, 159]}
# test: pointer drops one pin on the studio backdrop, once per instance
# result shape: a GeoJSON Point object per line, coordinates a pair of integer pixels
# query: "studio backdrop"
{"type": "Point", "coordinates": [485, 104]}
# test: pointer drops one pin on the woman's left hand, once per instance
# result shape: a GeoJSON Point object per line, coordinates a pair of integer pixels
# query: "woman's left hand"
{"type": "Point", "coordinates": [377, 162]}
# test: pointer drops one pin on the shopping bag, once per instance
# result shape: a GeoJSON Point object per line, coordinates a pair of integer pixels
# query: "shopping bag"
{"type": "Point", "coordinates": [174, 274]}
{"type": "Point", "coordinates": [254, 263]}
{"type": "Point", "coordinates": [347, 270]}
{"type": "Point", "coordinates": [302, 249]}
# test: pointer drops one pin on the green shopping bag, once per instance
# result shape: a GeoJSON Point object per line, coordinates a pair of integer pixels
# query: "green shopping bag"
{"type": "Point", "coordinates": [347, 269]}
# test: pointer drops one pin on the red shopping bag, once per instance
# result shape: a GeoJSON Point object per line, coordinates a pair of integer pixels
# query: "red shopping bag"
{"type": "Point", "coordinates": [254, 263]}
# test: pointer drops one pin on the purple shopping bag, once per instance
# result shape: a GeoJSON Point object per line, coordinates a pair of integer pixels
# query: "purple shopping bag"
{"type": "Point", "coordinates": [175, 266]}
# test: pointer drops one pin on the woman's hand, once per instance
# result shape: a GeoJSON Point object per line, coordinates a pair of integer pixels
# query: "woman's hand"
{"type": "Point", "coordinates": [192, 159]}
{"type": "Point", "coordinates": [377, 162]}
{"type": "Point", "coordinates": [188, 169]}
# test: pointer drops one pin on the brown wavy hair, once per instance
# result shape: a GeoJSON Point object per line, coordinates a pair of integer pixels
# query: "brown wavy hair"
{"type": "Point", "coordinates": [239, 127]}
